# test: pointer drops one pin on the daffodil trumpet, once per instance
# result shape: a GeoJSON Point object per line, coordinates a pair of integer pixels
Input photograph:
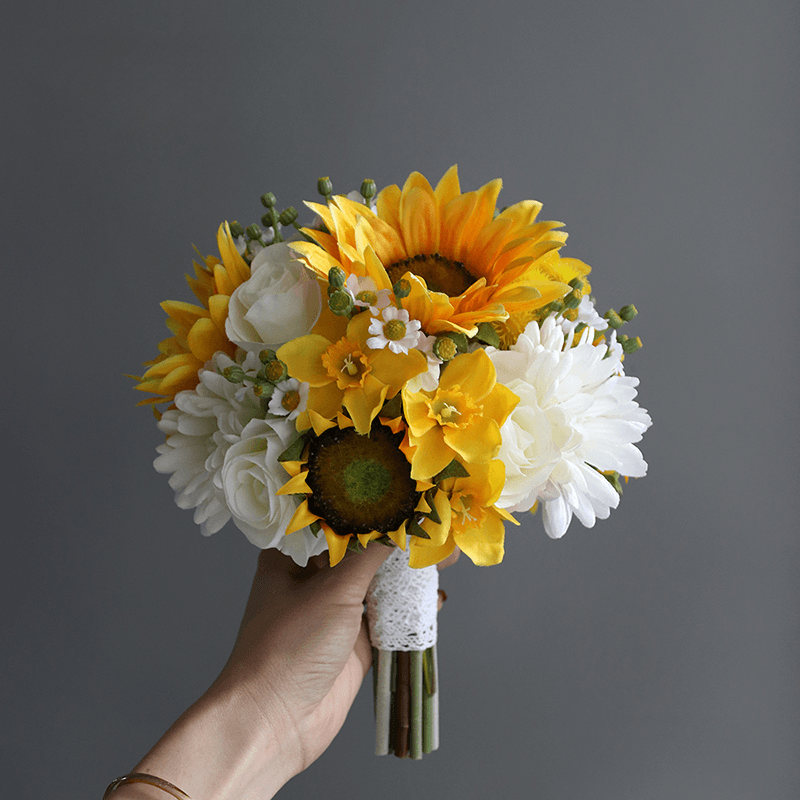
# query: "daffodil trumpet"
{"type": "Point", "coordinates": [412, 367]}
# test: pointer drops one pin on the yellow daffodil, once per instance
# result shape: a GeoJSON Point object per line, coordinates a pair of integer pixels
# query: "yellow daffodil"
{"type": "Point", "coordinates": [348, 373]}
{"type": "Point", "coordinates": [360, 486]}
{"type": "Point", "coordinates": [199, 331]}
{"type": "Point", "coordinates": [460, 418]}
{"type": "Point", "coordinates": [464, 264]}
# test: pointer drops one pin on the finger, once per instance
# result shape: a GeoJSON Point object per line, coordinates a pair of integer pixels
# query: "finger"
{"type": "Point", "coordinates": [363, 648]}
{"type": "Point", "coordinates": [450, 560]}
{"type": "Point", "coordinates": [349, 579]}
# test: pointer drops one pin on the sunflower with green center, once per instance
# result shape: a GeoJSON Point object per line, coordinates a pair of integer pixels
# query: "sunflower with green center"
{"type": "Point", "coordinates": [464, 263]}
{"type": "Point", "coordinates": [360, 485]}
{"type": "Point", "coordinates": [199, 331]}
{"type": "Point", "coordinates": [460, 419]}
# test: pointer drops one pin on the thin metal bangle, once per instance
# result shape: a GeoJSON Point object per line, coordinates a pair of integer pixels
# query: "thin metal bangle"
{"type": "Point", "coordinates": [141, 777]}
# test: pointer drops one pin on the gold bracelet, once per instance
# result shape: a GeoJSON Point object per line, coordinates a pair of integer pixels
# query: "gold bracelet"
{"type": "Point", "coordinates": [141, 777]}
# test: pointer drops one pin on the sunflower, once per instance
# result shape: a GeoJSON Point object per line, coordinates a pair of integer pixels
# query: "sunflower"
{"type": "Point", "coordinates": [358, 485]}
{"type": "Point", "coordinates": [199, 331]}
{"type": "Point", "coordinates": [464, 263]}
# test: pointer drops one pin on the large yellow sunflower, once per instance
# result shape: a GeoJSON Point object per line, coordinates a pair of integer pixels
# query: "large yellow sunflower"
{"type": "Point", "coordinates": [199, 331]}
{"type": "Point", "coordinates": [465, 264]}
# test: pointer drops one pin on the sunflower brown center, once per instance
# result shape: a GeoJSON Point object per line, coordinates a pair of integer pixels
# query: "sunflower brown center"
{"type": "Point", "coordinates": [360, 484]}
{"type": "Point", "coordinates": [440, 274]}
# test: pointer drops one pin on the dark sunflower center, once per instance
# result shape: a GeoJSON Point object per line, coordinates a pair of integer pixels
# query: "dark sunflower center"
{"type": "Point", "coordinates": [440, 273]}
{"type": "Point", "coordinates": [359, 483]}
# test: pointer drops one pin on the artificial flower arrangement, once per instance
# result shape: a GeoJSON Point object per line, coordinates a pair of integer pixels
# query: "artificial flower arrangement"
{"type": "Point", "coordinates": [412, 368]}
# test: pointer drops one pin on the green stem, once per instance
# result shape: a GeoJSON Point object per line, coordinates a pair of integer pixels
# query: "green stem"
{"type": "Point", "coordinates": [383, 702]}
{"type": "Point", "coordinates": [416, 704]}
{"type": "Point", "coordinates": [427, 702]}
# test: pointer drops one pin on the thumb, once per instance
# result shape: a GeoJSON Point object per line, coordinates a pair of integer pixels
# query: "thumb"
{"type": "Point", "coordinates": [350, 578]}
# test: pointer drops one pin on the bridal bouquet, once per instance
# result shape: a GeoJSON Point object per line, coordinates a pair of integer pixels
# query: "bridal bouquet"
{"type": "Point", "coordinates": [412, 367]}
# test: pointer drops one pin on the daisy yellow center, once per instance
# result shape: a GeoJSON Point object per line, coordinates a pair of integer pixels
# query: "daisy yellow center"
{"type": "Point", "coordinates": [439, 273]}
{"type": "Point", "coordinates": [370, 298]}
{"type": "Point", "coordinates": [291, 400]}
{"type": "Point", "coordinates": [394, 330]}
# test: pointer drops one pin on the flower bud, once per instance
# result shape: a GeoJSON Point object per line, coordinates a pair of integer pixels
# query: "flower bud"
{"type": "Point", "coordinates": [401, 289]}
{"type": "Point", "coordinates": [268, 219]}
{"type": "Point", "coordinates": [253, 232]}
{"type": "Point", "coordinates": [445, 348]}
{"type": "Point", "coordinates": [368, 189]}
{"type": "Point", "coordinates": [233, 374]}
{"type": "Point", "coordinates": [274, 371]}
{"type": "Point", "coordinates": [614, 320]}
{"type": "Point", "coordinates": [576, 284]}
{"type": "Point", "coordinates": [630, 345]}
{"type": "Point", "coordinates": [288, 215]}
{"type": "Point", "coordinates": [340, 303]}
{"type": "Point", "coordinates": [572, 301]}
{"type": "Point", "coordinates": [265, 356]}
{"type": "Point", "coordinates": [628, 312]}
{"type": "Point", "coordinates": [325, 187]}
{"type": "Point", "coordinates": [236, 230]}
{"type": "Point", "coordinates": [336, 277]}
{"type": "Point", "coordinates": [268, 200]}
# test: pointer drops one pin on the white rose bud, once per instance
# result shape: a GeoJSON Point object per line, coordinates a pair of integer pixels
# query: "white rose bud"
{"type": "Point", "coordinates": [280, 301]}
{"type": "Point", "coordinates": [251, 475]}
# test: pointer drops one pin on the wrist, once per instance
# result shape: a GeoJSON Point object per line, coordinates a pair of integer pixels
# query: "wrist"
{"type": "Point", "coordinates": [219, 749]}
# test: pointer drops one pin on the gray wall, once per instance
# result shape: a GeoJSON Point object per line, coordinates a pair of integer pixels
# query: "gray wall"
{"type": "Point", "coordinates": [655, 656]}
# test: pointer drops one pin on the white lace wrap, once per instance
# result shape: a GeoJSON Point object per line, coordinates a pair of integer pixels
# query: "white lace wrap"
{"type": "Point", "coordinates": [402, 604]}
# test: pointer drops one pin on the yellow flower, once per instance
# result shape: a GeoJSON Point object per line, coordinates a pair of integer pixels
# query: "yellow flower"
{"type": "Point", "coordinates": [360, 486]}
{"type": "Point", "coordinates": [464, 265]}
{"type": "Point", "coordinates": [348, 373]}
{"type": "Point", "coordinates": [199, 331]}
{"type": "Point", "coordinates": [461, 418]}
{"type": "Point", "coordinates": [553, 266]}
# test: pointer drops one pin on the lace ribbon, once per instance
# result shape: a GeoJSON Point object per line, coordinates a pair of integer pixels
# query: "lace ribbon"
{"type": "Point", "coordinates": [402, 604]}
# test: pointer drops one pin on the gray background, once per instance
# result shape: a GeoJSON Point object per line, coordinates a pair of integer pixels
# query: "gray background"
{"type": "Point", "coordinates": [655, 656]}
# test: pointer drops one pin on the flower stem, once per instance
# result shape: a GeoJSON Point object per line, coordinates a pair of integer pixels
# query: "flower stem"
{"type": "Point", "coordinates": [402, 704]}
{"type": "Point", "coordinates": [416, 703]}
{"type": "Point", "coordinates": [383, 702]}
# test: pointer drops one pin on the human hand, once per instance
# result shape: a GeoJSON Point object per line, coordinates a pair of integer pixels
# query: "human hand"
{"type": "Point", "coordinates": [300, 657]}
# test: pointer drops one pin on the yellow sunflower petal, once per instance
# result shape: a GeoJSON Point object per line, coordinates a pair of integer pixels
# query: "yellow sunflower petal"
{"type": "Point", "coordinates": [337, 545]}
{"type": "Point", "coordinates": [302, 517]}
{"type": "Point", "coordinates": [295, 485]}
{"type": "Point", "coordinates": [425, 554]}
{"type": "Point", "coordinates": [419, 220]}
{"type": "Point", "coordinates": [448, 188]}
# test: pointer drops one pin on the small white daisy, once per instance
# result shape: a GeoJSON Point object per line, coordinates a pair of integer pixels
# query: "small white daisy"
{"type": "Point", "coordinates": [365, 294]}
{"type": "Point", "coordinates": [393, 329]}
{"type": "Point", "coordinates": [289, 399]}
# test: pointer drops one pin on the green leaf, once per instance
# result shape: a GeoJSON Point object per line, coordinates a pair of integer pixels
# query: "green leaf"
{"type": "Point", "coordinates": [315, 527]}
{"type": "Point", "coordinates": [487, 334]}
{"type": "Point", "coordinates": [455, 469]}
{"type": "Point", "coordinates": [415, 529]}
{"type": "Point", "coordinates": [294, 451]}
{"type": "Point", "coordinates": [433, 514]}
{"type": "Point", "coordinates": [392, 408]}
{"type": "Point", "coordinates": [462, 343]}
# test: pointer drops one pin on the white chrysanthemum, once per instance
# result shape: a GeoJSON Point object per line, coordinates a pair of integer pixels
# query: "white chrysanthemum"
{"type": "Point", "coordinates": [206, 422]}
{"type": "Point", "coordinates": [251, 476]}
{"type": "Point", "coordinates": [576, 415]}
{"type": "Point", "coordinates": [392, 328]}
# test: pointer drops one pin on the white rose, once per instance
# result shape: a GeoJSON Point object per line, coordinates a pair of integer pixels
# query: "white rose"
{"type": "Point", "coordinates": [280, 301]}
{"type": "Point", "coordinates": [251, 476]}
